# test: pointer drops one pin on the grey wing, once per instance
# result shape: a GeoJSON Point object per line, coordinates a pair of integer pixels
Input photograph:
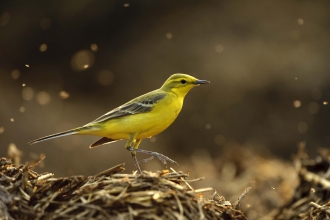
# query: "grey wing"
{"type": "Point", "coordinates": [133, 107]}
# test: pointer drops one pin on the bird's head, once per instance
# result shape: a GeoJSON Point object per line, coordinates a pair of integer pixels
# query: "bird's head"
{"type": "Point", "coordinates": [181, 84]}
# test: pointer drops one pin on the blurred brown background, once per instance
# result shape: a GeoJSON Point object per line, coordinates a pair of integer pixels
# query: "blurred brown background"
{"type": "Point", "coordinates": [65, 63]}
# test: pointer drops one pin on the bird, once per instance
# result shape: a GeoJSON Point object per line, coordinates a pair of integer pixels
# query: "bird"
{"type": "Point", "coordinates": [140, 118]}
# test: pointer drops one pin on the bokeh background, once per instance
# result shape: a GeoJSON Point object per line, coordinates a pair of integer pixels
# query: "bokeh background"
{"type": "Point", "coordinates": [65, 63]}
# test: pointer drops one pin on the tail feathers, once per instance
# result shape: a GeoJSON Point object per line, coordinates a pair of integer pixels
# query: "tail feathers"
{"type": "Point", "coordinates": [61, 134]}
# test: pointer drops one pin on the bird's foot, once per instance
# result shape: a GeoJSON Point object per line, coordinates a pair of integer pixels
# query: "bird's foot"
{"type": "Point", "coordinates": [147, 159]}
{"type": "Point", "coordinates": [161, 157]}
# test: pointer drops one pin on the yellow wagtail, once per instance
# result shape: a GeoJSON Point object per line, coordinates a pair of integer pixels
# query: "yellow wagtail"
{"type": "Point", "coordinates": [140, 118]}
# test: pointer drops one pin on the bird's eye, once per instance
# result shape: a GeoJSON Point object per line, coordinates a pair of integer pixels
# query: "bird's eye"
{"type": "Point", "coordinates": [183, 81]}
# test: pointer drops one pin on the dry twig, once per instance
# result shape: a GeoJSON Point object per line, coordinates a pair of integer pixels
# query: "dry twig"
{"type": "Point", "coordinates": [25, 194]}
{"type": "Point", "coordinates": [311, 197]}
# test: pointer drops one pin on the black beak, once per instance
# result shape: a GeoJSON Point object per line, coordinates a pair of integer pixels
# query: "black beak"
{"type": "Point", "coordinates": [201, 81]}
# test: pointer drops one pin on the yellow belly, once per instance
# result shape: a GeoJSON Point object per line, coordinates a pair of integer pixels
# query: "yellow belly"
{"type": "Point", "coordinates": [143, 125]}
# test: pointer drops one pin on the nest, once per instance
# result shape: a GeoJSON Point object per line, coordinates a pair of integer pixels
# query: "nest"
{"type": "Point", "coordinates": [25, 194]}
{"type": "Point", "coordinates": [311, 197]}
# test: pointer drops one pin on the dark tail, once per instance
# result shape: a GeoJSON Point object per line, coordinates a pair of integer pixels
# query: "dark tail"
{"type": "Point", "coordinates": [61, 134]}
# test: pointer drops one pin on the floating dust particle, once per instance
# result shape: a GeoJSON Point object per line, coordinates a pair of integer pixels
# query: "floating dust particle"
{"type": "Point", "coordinates": [15, 74]}
{"type": "Point", "coordinates": [23, 84]}
{"type": "Point", "coordinates": [82, 60]}
{"type": "Point", "coordinates": [27, 65]}
{"type": "Point", "coordinates": [43, 98]}
{"type": "Point", "coordinates": [169, 35]}
{"type": "Point", "coordinates": [208, 126]}
{"type": "Point", "coordinates": [94, 47]}
{"type": "Point", "coordinates": [27, 93]}
{"type": "Point", "coordinates": [153, 139]}
{"type": "Point", "coordinates": [219, 140]}
{"type": "Point", "coordinates": [126, 5]}
{"type": "Point", "coordinates": [296, 78]}
{"type": "Point", "coordinates": [12, 119]}
{"type": "Point", "coordinates": [2, 129]}
{"type": "Point", "coordinates": [325, 103]}
{"type": "Point", "coordinates": [300, 21]}
{"type": "Point", "coordinates": [22, 109]}
{"type": "Point", "coordinates": [64, 94]}
{"type": "Point", "coordinates": [43, 47]}
{"type": "Point", "coordinates": [219, 48]}
{"type": "Point", "coordinates": [296, 103]}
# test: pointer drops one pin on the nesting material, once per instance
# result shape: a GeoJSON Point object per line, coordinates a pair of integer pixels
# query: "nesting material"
{"type": "Point", "coordinates": [311, 197]}
{"type": "Point", "coordinates": [25, 194]}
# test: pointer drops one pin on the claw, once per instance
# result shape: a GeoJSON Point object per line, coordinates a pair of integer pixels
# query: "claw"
{"type": "Point", "coordinates": [146, 160]}
{"type": "Point", "coordinates": [161, 157]}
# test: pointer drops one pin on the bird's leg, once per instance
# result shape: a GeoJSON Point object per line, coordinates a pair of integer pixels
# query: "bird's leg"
{"type": "Point", "coordinates": [133, 152]}
{"type": "Point", "coordinates": [136, 145]}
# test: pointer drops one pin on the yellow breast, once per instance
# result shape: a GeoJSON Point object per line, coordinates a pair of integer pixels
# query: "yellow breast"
{"type": "Point", "coordinates": [144, 125]}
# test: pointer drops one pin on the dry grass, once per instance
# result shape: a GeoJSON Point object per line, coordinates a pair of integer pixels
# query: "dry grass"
{"type": "Point", "coordinates": [311, 198]}
{"type": "Point", "coordinates": [110, 194]}
{"type": "Point", "coordinates": [168, 194]}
